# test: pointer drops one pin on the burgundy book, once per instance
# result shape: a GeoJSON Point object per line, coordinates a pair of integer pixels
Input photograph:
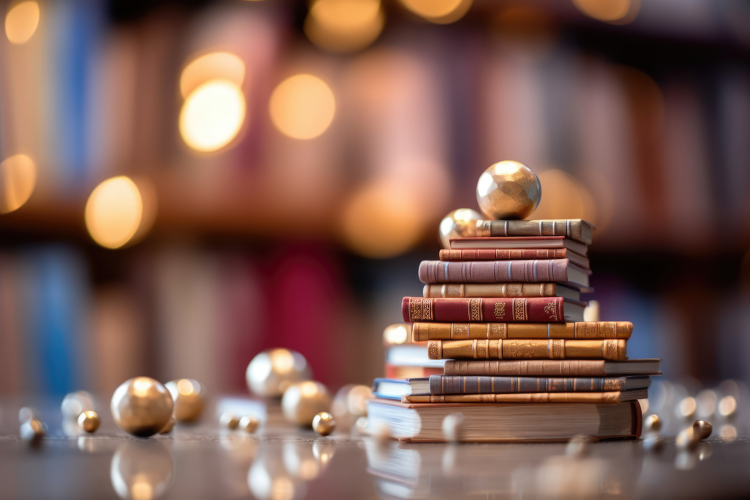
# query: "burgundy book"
{"type": "Point", "coordinates": [516, 254]}
{"type": "Point", "coordinates": [501, 271]}
{"type": "Point", "coordinates": [523, 309]}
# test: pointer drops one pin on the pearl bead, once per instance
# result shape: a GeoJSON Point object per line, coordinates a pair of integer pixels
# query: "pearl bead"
{"type": "Point", "coordinates": [141, 406]}
{"type": "Point", "coordinates": [89, 421]}
{"type": "Point", "coordinates": [323, 423]}
{"type": "Point", "coordinates": [189, 398]}
{"type": "Point", "coordinates": [508, 190]}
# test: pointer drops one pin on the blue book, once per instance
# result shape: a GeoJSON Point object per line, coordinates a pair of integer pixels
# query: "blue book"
{"type": "Point", "coordinates": [394, 388]}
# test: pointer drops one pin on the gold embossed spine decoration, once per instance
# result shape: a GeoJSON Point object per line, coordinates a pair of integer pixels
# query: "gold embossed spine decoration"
{"type": "Point", "coordinates": [610, 349]}
{"type": "Point", "coordinates": [435, 349]}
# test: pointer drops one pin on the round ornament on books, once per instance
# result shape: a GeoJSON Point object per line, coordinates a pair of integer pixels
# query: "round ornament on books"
{"type": "Point", "coordinates": [508, 190]}
{"type": "Point", "coordinates": [461, 223]}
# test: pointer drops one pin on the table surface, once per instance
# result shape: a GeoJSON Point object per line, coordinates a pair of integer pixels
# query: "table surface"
{"type": "Point", "coordinates": [284, 462]}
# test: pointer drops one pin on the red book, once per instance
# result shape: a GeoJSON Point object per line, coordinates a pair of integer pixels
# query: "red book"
{"type": "Point", "coordinates": [504, 271]}
{"type": "Point", "coordinates": [506, 310]}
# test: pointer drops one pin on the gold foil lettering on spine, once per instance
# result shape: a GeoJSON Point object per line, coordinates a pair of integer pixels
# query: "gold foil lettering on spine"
{"type": "Point", "coordinates": [551, 310]}
{"type": "Point", "coordinates": [460, 331]}
{"type": "Point", "coordinates": [434, 349]}
{"type": "Point", "coordinates": [515, 290]}
{"type": "Point", "coordinates": [497, 330]}
{"type": "Point", "coordinates": [608, 330]}
{"type": "Point", "coordinates": [557, 349]}
{"type": "Point", "coordinates": [475, 309]}
{"type": "Point", "coordinates": [499, 310]}
{"type": "Point", "coordinates": [519, 309]}
{"type": "Point", "coordinates": [427, 309]}
{"type": "Point", "coordinates": [415, 309]}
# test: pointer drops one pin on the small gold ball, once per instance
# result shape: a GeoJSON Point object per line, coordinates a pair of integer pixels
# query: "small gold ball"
{"type": "Point", "coordinates": [170, 425]}
{"type": "Point", "coordinates": [578, 446]}
{"type": "Point", "coordinates": [271, 372]}
{"type": "Point", "coordinates": [249, 424]}
{"type": "Point", "coordinates": [303, 400]}
{"type": "Point", "coordinates": [323, 423]}
{"type": "Point", "coordinates": [75, 403]}
{"type": "Point", "coordinates": [89, 421]}
{"type": "Point", "coordinates": [189, 398]}
{"type": "Point", "coordinates": [702, 429]}
{"type": "Point", "coordinates": [461, 223]}
{"type": "Point", "coordinates": [687, 439]}
{"type": "Point", "coordinates": [141, 406]}
{"type": "Point", "coordinates": [32, 431]}
{"type": "Point", "coordinates": [652, 423]}
{"type": "Point", "coordinates": [229, 420]}
{"type": "Point", "coordinates": [27, 413]}
{"type": "Point", "coordinates": [508, 190]}
{"type": "Point", "coordinates": [453, 427]}
{"type": "Point", "coordinates": [653, 442]}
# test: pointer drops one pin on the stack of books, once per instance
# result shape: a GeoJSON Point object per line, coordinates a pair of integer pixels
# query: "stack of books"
{"type": "Point", "coordinates": [504, 311]}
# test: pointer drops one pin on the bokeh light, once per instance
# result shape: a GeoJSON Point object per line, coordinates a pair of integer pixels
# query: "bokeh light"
{"type": "Point", "coordinates": [213, 66]}
{"type": "Point", "coordinates": [344, 25]}
{"type": "Point", "coordinates": [611, 11]}
{"type": "Point", "coordinates": [212, 115]}
{"type": "Point", "coordinates": [564, 197]}
{"type": "Point", "coordinates": [382, 220]}
{"type": "Point", "coordinates": [302, 106]}
{"type": "Point", "coordinates": [21, 22]}
{"type": "Point", "coordinates": [439, 11]}
{"type": "Point", "coordinates": [114, 211]}
{"type": "Point", "coordinates": [17, 181]}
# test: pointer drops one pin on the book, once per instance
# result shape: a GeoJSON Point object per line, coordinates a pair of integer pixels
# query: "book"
{"type": "Point", "coordinates": [522, 243]}
{"type": "Point", "coordinates": [610, 349]}
{"type": "Point", "coordinates": [575, 229]}
{"type": "Point", "coordinates": [522, 309]}
{"type": "Point", "coordinates": [490, 290]}
{"type": "Point", "coordinates": [411, 355]}
{"type": "Point", "coordinates": [531, 397]}
{"type": "Point", "coordinates": [393, 388]}
{"type": "Point", "coordinates": [404, 371]}
{"type": "Point", "coordinates": [451, 384]}
{"type": "Point", "coordinates": [579, 330]}
{"type": "Point", "coordinates": [500, 271]}
{"type": "Point", "coordinates": [519, 254]}
{"type": "Point", "coordinates": [485, 422]}
{"type": "Point", "coordinates": [553, 367]}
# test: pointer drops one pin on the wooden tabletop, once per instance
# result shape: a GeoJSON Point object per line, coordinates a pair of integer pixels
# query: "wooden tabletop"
{"type": "Point", "coordinates": [284, 462]}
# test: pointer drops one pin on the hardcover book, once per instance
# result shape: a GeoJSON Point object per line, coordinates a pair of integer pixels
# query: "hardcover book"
{"type": "Point", "coordinates": [451, 384]}
{"type": "Point", "coordinates": [575, 229]}
{"type": "Point", "coordinates": [579, 330]}
{"type": "Point", "coordinates": [609, 349]}
{"type": "Point", "coordinates": [553, 368]}
{"type": "Point", "coordinates": [492, 290]}
{"type": "Point", "coordinates": [500, 271]}
{"type": "Point", "coordinates": [523, 309]}
{"type": "Point", "coordinates": [531, 397]}
{"type": "Point", "coordinates": [409, 371]}
{"type": "Point", "coordinates": [520, 254]}
{"type": "Point", "coordinates": [512, 243]}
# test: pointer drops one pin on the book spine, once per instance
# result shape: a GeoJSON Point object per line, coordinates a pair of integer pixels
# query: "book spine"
{"type": "Point", "coordinates": [573, 229]}
{"type": "Point", "coordinates": [399, 371]}
{"type": "Point", "coordinates": [541, 397]}
{"type": "Point", "coordinates": [540, 368]}
{"type": "Point", "coordinates": [502, 254]}
{"type": "Point", "coordinates": [422, 332]}
{"type": "Point", "coordinates": [610, 349]}
{"type": "Point", "coordinates": [457, 290]}
{"type": "Point", "coordinates": [512, 310]}
{"type": "Point", "coordinates": [496, 271]}
{"type": "Point", "coordinates": [446, 384]}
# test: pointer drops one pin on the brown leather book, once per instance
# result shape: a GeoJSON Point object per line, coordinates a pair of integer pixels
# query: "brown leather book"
{"type": "Point", "coordinates": [553, 367]}
{"type": "Point", "coordinates": [611, 349]}
{"type": "Point", "coordinates": [538, 397]}
{"type": "Point", "coordinates": [491, 290]}
{"type": "Point", "coordinates": [516, 254]}
{"type": "Point", "coordinates": [451, 384]}
{"type": "Point", "coordinates": [501, 271]}
{"type": "Point", "coordinates": [575, 229]}
{"type": "Point", "coordinates": [465, 331]}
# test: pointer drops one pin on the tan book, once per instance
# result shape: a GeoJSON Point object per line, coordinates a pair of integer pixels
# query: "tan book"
{"type": "Point", "coordinates": [611, 349]}
{"type": "Point", "coordinates": [552, 367]}
{"type": "Point", "coordinates": [423, 331]}
{"type": "Point", "coordinates": [501, 290]}
{"type": "Point", "coordinates": [531, 397]}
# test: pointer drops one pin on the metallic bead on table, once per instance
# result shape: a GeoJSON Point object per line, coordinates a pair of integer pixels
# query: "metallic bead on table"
{"type": "Point", "coordinates": [75, 403]}
{"type": "Point", "coordinates": [89, 421]}
{"type": "Point", "coordinates": [249, 424]}
{"type": "Point", "coordinates": [652, 423]}
{"type": "Point", "coordinates": [323, 423]}
{"type": "Point", "coordinates": [702, 429]}
{"type": "Point", "coordinates": [32, 431]}
{"type": "Point", "coordinates": [461, 223]}
{"type": "Point", "coordinates": [229, 420]}
{"type": "Point", "coordinates": [687, 439]}
{"type": "Point", "coordinates": [653, 442]}
{"type": "Point", "coordinates": [189, 398]}
{"type": "Point", "coordinates": [141, 406]}
{"type": "Point", "coordinates": [303, 400]}
{"type": "Point", "coordinates": [271, 372]}
{"type": "Point", "coordinates": [508, 190]}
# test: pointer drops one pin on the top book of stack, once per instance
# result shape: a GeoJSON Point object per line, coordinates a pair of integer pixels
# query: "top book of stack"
{"type": "Point", "coordinates": [575, 229]}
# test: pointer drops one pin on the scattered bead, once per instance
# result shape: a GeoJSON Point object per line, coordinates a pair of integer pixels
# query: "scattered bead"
{"type": "Point", "coordinates": [249, 424]}
{"type": "Point", "coordinates": [323, 423]}
{"type": "Point", "coordinates": [271, 372]}
{"type": "Point", "coordinates": [189, 398]}
{"type": "Point", "coordinates": [702, 429]}
{"type": "Point", "coordinates": [89, 421]}
{"type": "Point", "coordinates": [32, 431]}
{"type": "Point", "coordinates": [75, 403]}
{"type": "Point", "coordinates": [578, 446]}
{"type": "Point", "coordinates": [461, 223]}
{"type": "Point", "coordinates": [169, 426]}
{"type": "Point", "coordinates": [453, 427]}
{"type": "Point", "coordinates": [229, 420]}
{"type": "Point", "coordinates": [303, 400]}
{"type": "Point", "coordinates": [27, 413]}
{"type": "Point", "coordinates": [652, 423]}
{"type": "Point", "coordinates": [687, 439]}
{"type": "Point", "coordinates": [141, 406]}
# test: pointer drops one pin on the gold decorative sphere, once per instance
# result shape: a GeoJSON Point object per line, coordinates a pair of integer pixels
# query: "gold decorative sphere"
{"type": "Point", "coordinates": [189, 398]}
{"type": "Point", "coordinates": [141, 469]}
{"type": "Point", "coordinates": [141, 406]}
{"type": "Point", "coordinates": [508, 190]}
{"type": "Point", "coordinates": [323, 423]}
{"type": "Point", "coordinates": [229, 420]}
{"type": "Point", "coordinates": [453, 427]}
{"type": "Point", "coordinates": [32, 431]}
{"type": "Point", "coordinates": [652, 423]}
{"type": "Point", "coordinates": [272, 371]}
{"type": "Point", "coordinates": [702, 429]}
{"type": "Point", "coordinates": [75, 403]}
{"type": "Point", "coordinates": [301, 401]}
{"type": "Point", "coordinates": [461, 223]}
{"type": "Point", "coordinates": [249, 424]}
{"type": "Point", "coordinates": [170, 425]}
{"type": "Point", "coordinates": [89, 421]}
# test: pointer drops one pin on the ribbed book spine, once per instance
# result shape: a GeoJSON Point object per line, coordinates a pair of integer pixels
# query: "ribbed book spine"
{"type": "Point", "coordinates": [539, 368]}
{"type": "Point", "coordinates": [542, 397]}
{"type": "Point", "coordinates": [522, 309]}
{"type": "Point", "coordinates": [422, 332]}
{"type": "Point", "coordinates": [446, 384]}
{"type": "Point", "coordinates": [503, 254]}
{"type": "Point", "coordinates": [530, 349]}
{"type": "Point", "coordinates": [493, 290]}
{"type": "Point", "coordinates": [494, 271]}
{"type": "Point", "coordinates": [575, 229]}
